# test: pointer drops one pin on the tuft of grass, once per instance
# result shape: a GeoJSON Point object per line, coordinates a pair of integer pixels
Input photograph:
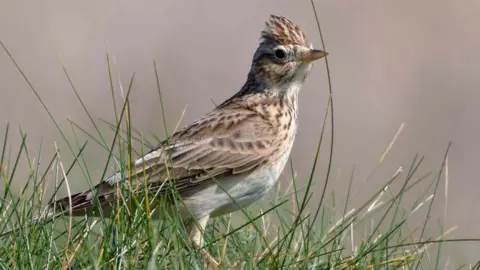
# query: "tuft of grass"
{"type": "Point", "coordinates": [283, 233]}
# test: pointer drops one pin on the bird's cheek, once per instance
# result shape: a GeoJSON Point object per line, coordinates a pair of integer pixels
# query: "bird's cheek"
{"type": "Point", "coordinates": [290, 68]}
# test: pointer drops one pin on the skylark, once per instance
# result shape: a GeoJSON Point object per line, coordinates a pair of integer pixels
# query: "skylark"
{"type": "Point", "coordinates": [233, 155]}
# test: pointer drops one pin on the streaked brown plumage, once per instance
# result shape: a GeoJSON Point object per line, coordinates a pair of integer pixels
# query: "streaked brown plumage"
{"type": "Point", "coordinates": [243, 144]}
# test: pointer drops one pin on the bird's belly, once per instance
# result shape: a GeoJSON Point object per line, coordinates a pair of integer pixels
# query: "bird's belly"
{"type": "Point", "coordinates": [235, 191]}
{"type": "Point", "coordinates": [243, 193]}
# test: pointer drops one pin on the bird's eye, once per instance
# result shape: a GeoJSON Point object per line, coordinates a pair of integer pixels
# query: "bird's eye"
{"type": "Point", "coordinates": [280, 54]}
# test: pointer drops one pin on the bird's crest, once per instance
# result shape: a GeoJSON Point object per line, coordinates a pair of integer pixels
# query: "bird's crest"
{"type": "Point", "coordinates": [283, 31]}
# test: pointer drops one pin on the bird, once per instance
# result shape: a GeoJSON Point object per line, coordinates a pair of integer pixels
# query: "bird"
{"type": "Point", "coordinates": [233, 155]}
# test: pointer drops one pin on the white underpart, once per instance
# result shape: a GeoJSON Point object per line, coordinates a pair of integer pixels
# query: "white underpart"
{"type": "Point", "coordinates": [246, 189]}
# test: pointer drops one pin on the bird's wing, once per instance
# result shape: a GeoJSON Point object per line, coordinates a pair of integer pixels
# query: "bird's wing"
{"type": "Point", "coordinates": [229, 141]}
{"type": "Point", "coordinates": [224, 142]}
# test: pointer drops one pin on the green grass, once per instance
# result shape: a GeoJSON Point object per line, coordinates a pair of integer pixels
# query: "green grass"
{"type": "Point", "coordinates": [284, 234]}
{"type": "Point", "coordinates": [288, 230]}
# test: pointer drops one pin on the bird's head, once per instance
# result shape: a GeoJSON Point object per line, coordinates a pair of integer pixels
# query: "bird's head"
{"type": "Point", "coordinates": [284, 56]}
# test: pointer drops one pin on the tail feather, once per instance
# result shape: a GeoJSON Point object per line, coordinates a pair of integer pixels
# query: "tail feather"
{"type": "Point", "coordinates": [87, 202]}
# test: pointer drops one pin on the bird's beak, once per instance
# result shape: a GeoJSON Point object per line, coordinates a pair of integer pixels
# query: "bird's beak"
{"type": "Point", "coordinates": [313, 55]}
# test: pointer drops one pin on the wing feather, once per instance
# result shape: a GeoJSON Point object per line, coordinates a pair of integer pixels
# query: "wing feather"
{"type": "Point", "coordinates": [225, 141]}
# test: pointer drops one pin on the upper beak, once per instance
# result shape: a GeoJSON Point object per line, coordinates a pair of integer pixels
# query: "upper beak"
{"type": "Point", "coordinates": [314, 55]}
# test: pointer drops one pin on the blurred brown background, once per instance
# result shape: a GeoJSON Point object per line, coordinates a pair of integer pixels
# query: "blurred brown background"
{"type": "Point", "coordinates": [391, 62]}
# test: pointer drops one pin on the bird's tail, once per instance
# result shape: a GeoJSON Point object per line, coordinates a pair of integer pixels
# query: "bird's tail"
{"type": "Point", "coordinates": [89, 202]}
